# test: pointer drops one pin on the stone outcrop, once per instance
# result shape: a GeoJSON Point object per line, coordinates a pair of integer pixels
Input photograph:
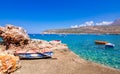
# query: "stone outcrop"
{"type": "Point", "coordinates": [16, 40]}
{"type": "Point", "coordinates": [14, 35]}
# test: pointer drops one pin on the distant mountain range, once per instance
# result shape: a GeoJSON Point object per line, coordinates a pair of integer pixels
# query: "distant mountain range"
{"type": "Point", "coordinates": [113, 28]}
{"type": "Point", "coordinates": [116, 22]}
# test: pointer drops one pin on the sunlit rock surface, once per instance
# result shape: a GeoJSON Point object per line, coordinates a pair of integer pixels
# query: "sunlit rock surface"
{"type": "Point", "coordinates": [14, 35]}
{"type": "Point", "coordinates": [16, 40]}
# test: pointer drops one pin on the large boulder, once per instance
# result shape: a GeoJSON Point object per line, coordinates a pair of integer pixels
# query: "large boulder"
{"type": "Point", "coordinates": [14, 35]}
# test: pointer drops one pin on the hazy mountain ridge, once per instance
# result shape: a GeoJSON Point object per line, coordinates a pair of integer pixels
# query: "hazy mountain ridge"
{"type": "Point", "coordinates": [113, 28]}
{"type": "Point", "coordinates": [116, 22]}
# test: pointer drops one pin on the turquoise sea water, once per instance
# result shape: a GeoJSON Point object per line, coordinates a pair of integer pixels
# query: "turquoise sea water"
{"type": "Point", "coordinates": [84, 46]}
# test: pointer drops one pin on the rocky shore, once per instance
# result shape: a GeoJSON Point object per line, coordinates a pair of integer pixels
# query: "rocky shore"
{"type": "Point", "coordinates": [63, 62]}
{"type": "Point", "coordinates": [16, 41]}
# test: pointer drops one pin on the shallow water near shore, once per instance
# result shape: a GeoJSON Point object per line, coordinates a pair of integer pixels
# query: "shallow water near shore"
{"type": "Point", "coordinates": [84, 46]}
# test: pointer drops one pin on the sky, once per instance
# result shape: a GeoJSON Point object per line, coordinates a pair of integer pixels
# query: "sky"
{"type": "Point", "coordinates": [38, 15]}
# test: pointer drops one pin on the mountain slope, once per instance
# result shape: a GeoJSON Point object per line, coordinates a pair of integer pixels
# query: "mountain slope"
{"type": "Point", "coordinates": [113, 28]}
{"type": "Point", "coordinates": [89, 29]}
{"type": "Point", "coordinates": [116, 22]}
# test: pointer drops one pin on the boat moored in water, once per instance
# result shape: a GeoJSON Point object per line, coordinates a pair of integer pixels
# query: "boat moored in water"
{"type": "Point", "coordinates": [100, 42]}
{"type": "Point", "coordinates": [109, 45]}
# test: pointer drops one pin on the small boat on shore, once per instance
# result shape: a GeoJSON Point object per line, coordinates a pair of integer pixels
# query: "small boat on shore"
{"type": "Point", "coordinates": [100, 42]}
{"type": "Point", "coordinates": [34, 55]}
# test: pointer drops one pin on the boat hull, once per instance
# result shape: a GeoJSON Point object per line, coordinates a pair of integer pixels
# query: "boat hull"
{"type": "Point", "coordinates": [109, 45]}
{"type": "Point", "coordinates": [34, 55]}
{"type": "Point", "coordinates": [100, 42]}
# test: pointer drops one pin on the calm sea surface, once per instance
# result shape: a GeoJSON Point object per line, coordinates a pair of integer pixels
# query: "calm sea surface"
{"type": "Point", "coordinates": [84, 46]}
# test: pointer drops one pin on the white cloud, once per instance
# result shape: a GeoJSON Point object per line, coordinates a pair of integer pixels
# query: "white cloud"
{"type": "Point", "coordinates": [104, 23]}
{"type": "Point", "coordinates": [74, 26]}
{"type": "Point", "coordinates": [88, 23]}
{"type": "Point", "coordinates": [91, 23]}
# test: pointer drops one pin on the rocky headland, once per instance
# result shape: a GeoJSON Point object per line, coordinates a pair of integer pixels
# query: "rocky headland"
{"type": "Point", "coordinates": [113, 28]}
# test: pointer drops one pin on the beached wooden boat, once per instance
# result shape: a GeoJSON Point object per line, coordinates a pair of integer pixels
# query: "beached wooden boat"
{"type": "Point", "coordinates": [34, 55]}
{"type": "Point", "coordinates": [100, 42]}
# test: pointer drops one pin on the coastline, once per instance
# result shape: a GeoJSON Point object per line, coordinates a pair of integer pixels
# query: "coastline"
{"type": "Point", "coordinates": [97, 63]}
{"type": "Point", "coordinates": [82, 33]}
{"type": "Point", "coordinates": [63, 61]}
{"type": "Point", "coordinates": [109, 29]}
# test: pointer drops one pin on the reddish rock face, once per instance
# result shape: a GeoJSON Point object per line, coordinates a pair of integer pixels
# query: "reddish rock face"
{"type": "Point", "coordinates": [16, 39]}
{"type": "Point", "coordinates": [14, 35]}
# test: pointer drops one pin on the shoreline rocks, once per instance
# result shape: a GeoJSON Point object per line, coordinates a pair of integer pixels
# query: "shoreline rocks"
{"type": "Point", "coordinates": [16, 40]}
